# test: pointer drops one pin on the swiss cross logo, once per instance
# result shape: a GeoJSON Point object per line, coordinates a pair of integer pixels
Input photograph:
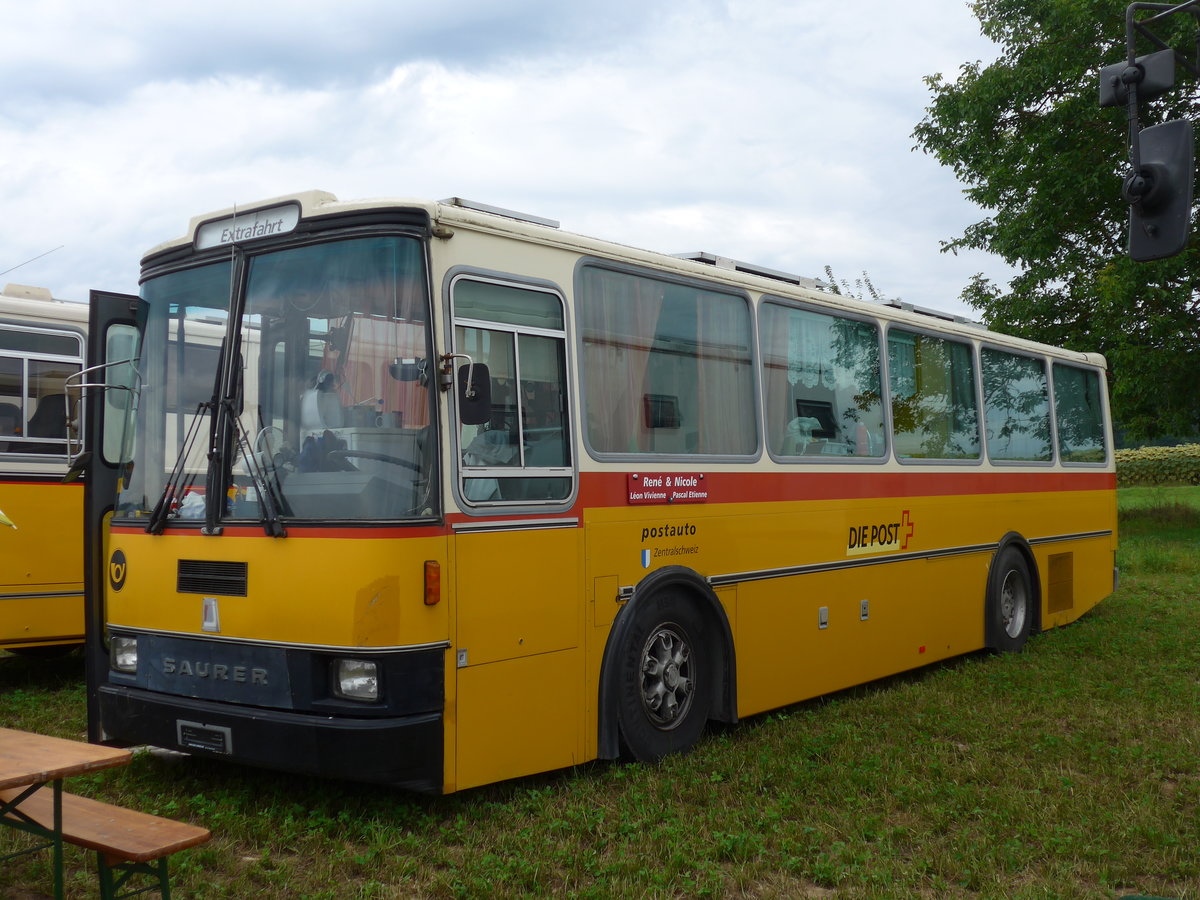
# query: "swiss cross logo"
{"type": "Point", "coordinates": [906, 529]}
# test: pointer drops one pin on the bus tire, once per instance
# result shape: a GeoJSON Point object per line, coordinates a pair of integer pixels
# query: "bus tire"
{"type": "Point", "coordinates": [1010, 601]}
{"type": "Point", "coordinates": [664, 677]}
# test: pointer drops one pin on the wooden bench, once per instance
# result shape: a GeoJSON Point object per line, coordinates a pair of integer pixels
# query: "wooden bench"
{"type": "Point", "coordinates": [127, 842]}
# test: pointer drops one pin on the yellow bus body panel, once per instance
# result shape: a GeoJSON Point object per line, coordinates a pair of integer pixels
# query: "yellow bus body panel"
{"type": "Point", "coordinates": [41, 579]}
{"type": "Point", "coordinates": [519, 716]}
{"type": "Point", "coordinates": [520, 692]}
{"type": "Point", "coordinates": [883, 585]}
{"type": "Point", "coordinates": [517, 593]}
{"type": "Point", "coordinates": [315, 591]}
{"type": "Point", "coordinates": [802, 635]}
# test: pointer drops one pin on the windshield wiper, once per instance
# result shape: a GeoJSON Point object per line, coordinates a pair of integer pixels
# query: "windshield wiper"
{"type": "Point", "coordinates": [162, 509]}
{"type": "Point", "coordinates": [268, 497]}
{"type": "Point", "coordinates": [264, 486]}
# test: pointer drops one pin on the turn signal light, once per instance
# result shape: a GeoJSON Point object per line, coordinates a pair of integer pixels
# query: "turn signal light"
{"type": "Point", "coordinates": [433, 582]}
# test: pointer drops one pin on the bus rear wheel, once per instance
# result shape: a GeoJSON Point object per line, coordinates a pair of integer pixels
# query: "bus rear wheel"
{"type": "Point", "coordinates": [1010, 600]}
{"type": "Point", "coordinates": [665, 678]}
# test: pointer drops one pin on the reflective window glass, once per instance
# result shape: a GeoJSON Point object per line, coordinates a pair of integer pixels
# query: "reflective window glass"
{"type": "Point", "coordinates": [823, 385]}
{"type": "Point", "coordinates": [1079, 414]}
{"type": "Point", "coordinates": [1016, 406]}
{"type": "Point", "coordinates": [934, 409]}
{"type": "Point", "coordinates": [522, 452]}
{"type": "Point", "coordinates": [39, 412]}
{"type": "Point", "coordinates": [667, 367]}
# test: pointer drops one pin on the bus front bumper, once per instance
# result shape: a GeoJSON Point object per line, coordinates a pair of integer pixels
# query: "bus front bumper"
{"type": "Point", "coordinates": [403, 751]}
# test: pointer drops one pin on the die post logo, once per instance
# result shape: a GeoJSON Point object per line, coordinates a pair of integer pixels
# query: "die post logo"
{"type": "Point", "coordinates": [876, 537]}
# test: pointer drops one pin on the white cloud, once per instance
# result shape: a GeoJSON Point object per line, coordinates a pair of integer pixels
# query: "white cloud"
{"type": "Point", "coordinates": [776, 133]}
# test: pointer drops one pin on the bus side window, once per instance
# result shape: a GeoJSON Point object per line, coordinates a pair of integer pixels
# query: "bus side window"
{"type": "Point", "coordinates": [34, 400]}
{"type": "Point", "coordinates": [823, 383]}
{"type": "Point", "coordinates": [522, 453]}
{"type": "Point", "coordinates": [1079, 415]}
{"type": "Point", "coordinates": [1016, 406]}
{"type": "Point", "coordinates": [666, 366]}
{"type": "Point", "coordinates": [934, 408]}
{"type": "Point", "coordinates": [49, 420]}
{"type": "Point", "coordinates": [11, 419]}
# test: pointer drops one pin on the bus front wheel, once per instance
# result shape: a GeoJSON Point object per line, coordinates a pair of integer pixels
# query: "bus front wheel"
{"type": "Point", "coordinates": [1010, 601]}
{"type": "Point", "coordinates": [665, 690]}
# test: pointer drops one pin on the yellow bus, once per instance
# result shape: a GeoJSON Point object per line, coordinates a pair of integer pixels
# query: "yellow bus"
{"type": "Point", "coordinates": [41, 541]}
{"type": "Point", "coordinates": [463, 497]}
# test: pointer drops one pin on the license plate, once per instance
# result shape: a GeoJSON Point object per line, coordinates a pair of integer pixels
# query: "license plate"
{"type": "Point", "coordinates": [210, 738]}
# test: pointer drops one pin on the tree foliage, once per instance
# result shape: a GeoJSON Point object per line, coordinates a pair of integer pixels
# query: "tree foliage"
{"type": "Point", "coordinates": [1027, 137]}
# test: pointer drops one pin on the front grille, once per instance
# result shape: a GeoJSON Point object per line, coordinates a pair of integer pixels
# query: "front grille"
{"type": "Point", "coordinates": [206, 576]}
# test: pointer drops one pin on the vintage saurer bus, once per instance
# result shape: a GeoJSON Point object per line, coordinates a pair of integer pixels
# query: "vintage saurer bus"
{"type": "Point", "coordinates": [459, 496]}
{"type": "Point", "coordinates": [41, 536]}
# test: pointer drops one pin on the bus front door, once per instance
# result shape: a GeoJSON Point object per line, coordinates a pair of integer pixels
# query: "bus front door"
{"type": "Point", "coordinates": [110, 388]}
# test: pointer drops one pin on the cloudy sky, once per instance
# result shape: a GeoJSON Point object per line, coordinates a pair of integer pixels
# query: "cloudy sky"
{"type": "Point", "coordinates": [773, 131]}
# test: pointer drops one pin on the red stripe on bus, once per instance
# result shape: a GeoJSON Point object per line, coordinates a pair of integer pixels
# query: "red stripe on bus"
{"type": "Point", "coordinates": [611, 489]}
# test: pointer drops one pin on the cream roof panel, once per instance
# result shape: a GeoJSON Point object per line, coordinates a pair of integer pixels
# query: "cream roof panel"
{"type": "Point", "coordinates": [477, 217]}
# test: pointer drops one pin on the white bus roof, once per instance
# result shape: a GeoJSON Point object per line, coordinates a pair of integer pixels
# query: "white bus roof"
{"type": "Point", "coordinates": [29, 305]}
{"type": "Point", "coordinates": [457, 212]}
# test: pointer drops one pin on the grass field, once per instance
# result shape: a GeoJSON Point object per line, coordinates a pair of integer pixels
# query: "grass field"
{"type": "Point", "coordinates": [1069, 771]}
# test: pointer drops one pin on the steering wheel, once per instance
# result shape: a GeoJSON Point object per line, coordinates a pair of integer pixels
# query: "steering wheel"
{"type": "Point", "coordinates": [380, 457]}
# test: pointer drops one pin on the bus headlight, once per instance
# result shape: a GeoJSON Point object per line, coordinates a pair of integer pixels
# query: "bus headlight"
{"type": "Point", "coordinates": [122, 654]}
{"type": "Point", "coordinates": [356, 679]}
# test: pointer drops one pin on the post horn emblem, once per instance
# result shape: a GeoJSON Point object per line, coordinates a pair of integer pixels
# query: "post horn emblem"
{"type": "Point", "coordinates": [117, 568]}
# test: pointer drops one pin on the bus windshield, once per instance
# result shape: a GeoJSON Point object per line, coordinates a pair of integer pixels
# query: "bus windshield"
{"type": "Point", "coordinates": [321, 411]}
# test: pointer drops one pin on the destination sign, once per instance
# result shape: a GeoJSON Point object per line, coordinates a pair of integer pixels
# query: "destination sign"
{"type": "Point", "coordinates": [248, 226]}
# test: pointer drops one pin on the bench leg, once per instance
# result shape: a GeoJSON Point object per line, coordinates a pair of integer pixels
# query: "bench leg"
{"type": "Point", "coordinates": [115, 874]}
{"type": "Point", "coordinates": [50, 838]}
{"type": "Point", "coordinates": [107, 889]}
{"type": "Point", "coordinates": [58, 842]}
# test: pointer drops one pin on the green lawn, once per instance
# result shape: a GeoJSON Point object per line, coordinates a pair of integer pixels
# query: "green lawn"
{"type": "Point", "coordinates": [1069, 771]}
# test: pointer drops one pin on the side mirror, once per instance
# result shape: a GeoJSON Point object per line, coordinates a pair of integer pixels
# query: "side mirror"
{"type": "Point", "coordinates": [1160, 193]}
{"type": "Point", "coordinates": [474, 394]}
{"type": "Point", "coordinates": [1154, 75]}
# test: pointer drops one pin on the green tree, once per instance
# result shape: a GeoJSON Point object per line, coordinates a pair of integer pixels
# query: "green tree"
{"type": "Point", "coordinates": [1025, 134]}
